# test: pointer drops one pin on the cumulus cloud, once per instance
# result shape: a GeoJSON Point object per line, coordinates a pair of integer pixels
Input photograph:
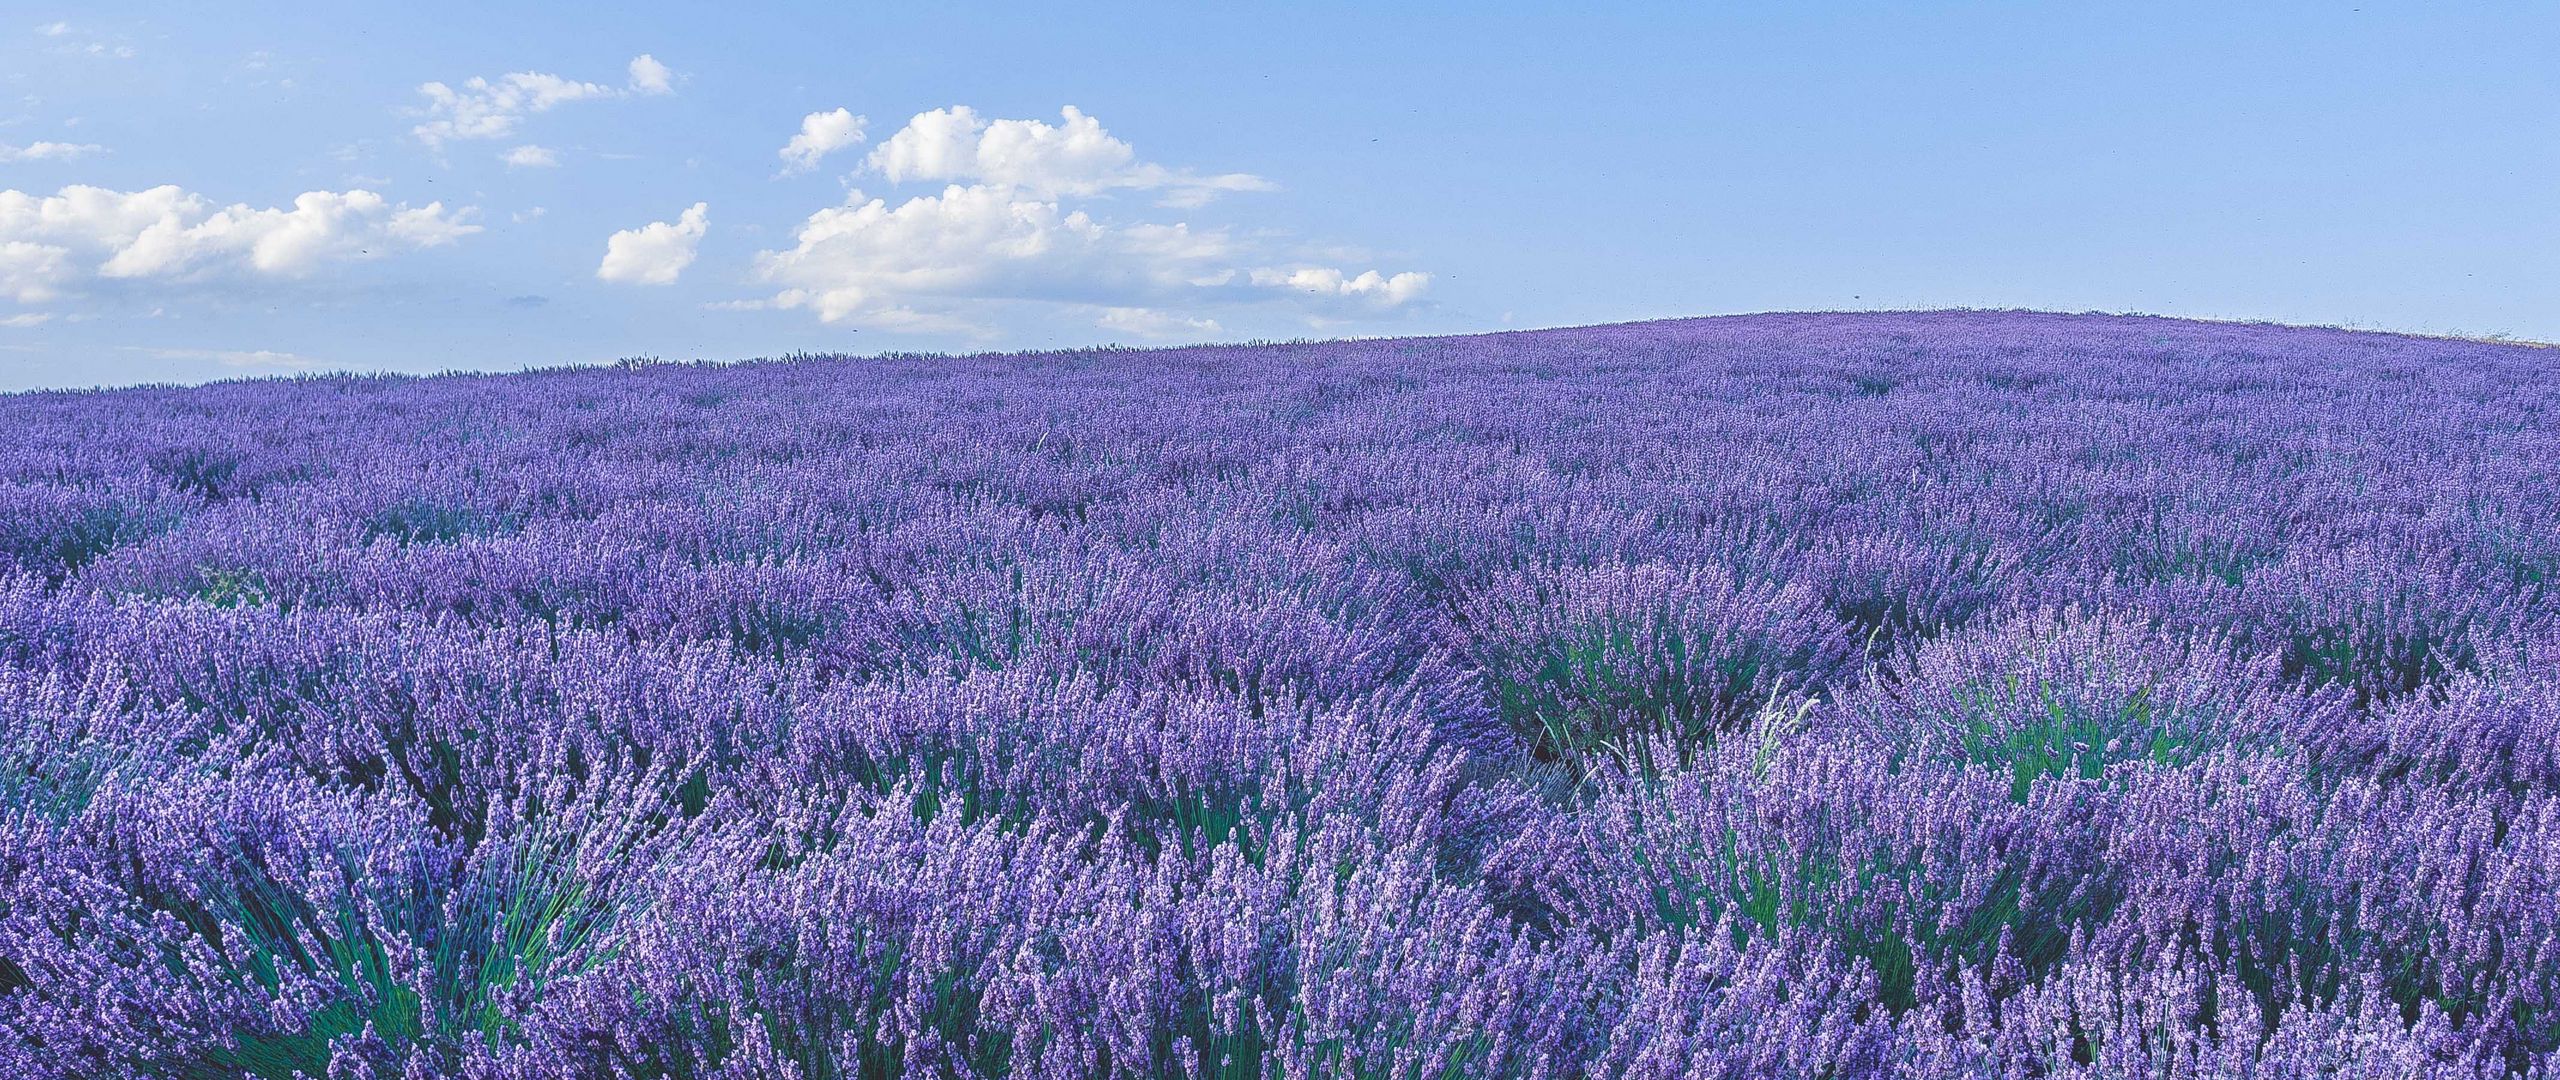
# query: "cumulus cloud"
{"type": "Point", "coordinates": [49, 151]}
{"type": "Point", "coordinates": [33, 273]}
{"type": "Point", "coordinates": [1327, 281]}
{"type": "Point", "coordinates": [936, 255]}
{"type": "Point", "coordinates": [1006, 230]}
{"type": "Point", "coordinates": [821, 134]}
{"type": "Point", "coordinates": [51, 245]}
{"type": "Point", "coordinates": [1074, 157]}
{"type": "Point", "coordinates": [530, 156]}
{"type": "Point", "coordinates": [654, 254]}
{"type": "Point", "coordinates": [869, 258]}
{"type": "Point", "coordinates": [485, 108]}
{"type": "Point", "coordinates": [648, 76]}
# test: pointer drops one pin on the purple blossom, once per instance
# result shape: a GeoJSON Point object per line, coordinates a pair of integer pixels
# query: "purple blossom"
{"type": "Point", "coordinates": [1929, 694]}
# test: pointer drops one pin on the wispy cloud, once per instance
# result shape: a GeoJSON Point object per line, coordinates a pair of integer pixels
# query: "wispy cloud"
{"type": "Point", "coordinates": [49, 151]}
{"type": "Point", "coordinates": [530, 156]}
{"type": "Point", "coordinates": [483, 108]}
{"type": "Point", "coordinates": [1149, 323]}
{"type": "Point", "coordinates": [266, 359]}
{"type": "Point", "coordinates": [62, 34]}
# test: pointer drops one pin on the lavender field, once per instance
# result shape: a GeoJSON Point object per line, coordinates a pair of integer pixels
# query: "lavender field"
{"type": "Point", "coordinates": [1936, 695]}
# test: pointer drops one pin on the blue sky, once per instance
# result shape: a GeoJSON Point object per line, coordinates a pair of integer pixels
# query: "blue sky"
{"type": "Point", "coordinates": [191, 193]}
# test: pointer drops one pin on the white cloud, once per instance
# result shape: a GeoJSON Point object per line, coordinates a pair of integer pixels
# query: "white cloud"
{"type": "Point", "coordinates": [1074, 157]}
{"type": "Point", "coordinates": [654, 253]}
{"type": "Point", "coordinates": [648, 76]}
{"type": "Point", "coordinates": [59, 29]}
{"type": "Point", "coordinates": [54, 244]}
{"type": "Point", "coordinates": [1150, 323]}
{"type": "Point", "coordinates": [530, 156]}
{"type": "Point", "coordinates": [533, 213]}
{"type": "Point", "coordinates": [935, 257]}
{"type": "Point", "coordinates": [32, 273]}
{"type": "Point", "coordinates": [869, 259]}
{"type": "Point", "coordinates": [49, 151]}
{"type": "Point", "coordinates": [493, 108]}
{"type": "Point", "coordinates": [1327, 281]}
{"type": "Point", "coordinates": [238, 358]}
{"type": "Point", "coordinates": [1006, 231]}
{"type": "Point", "coordinates": [822, 133]}
{"type": "Point", "coordinates": [263, 358]}
{"type": "Point", "coordinates": [27, 319]}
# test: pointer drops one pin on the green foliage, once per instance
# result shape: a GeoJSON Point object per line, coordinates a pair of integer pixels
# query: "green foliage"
{"type": "Point", "coordinates": [2375, 661]}
{"type": "Point", "coordinates": [1595, 663]}
{"type": "Point", "coordinates": [2033, 732]}
{"type": "Point", "coordinates": [427, 521]}
{"type": "Point", "coordinates": [92, 533]}
{"type": "Point", "coordinates": [227, 588]}
{"type": "Point", "coordinates": [424, 952]}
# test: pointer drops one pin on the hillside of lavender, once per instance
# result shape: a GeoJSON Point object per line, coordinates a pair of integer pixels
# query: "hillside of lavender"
{"type": "Point", "coordinates": [1954, 694]}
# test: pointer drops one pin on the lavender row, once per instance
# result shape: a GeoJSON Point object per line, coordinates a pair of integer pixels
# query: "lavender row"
{"type": "Point", "coordinates": [1919, 695]}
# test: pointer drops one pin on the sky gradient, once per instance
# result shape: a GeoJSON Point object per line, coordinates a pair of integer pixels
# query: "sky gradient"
{"type": "Point", "coordinates": [195, 194]}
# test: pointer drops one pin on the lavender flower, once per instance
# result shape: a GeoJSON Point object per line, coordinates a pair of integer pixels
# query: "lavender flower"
{"type": "Point", "coordinates": [1927, 694]}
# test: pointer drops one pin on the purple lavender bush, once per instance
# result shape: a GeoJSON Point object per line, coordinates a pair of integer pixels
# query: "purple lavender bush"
{"type": "Point", "coordinates": [1932, 695]}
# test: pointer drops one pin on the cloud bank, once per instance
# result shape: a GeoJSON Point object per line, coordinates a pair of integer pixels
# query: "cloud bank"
{"type": "Point", "coordinates": [1007, 229]}
{"type": "Point", "coordinates": [52, 245]}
